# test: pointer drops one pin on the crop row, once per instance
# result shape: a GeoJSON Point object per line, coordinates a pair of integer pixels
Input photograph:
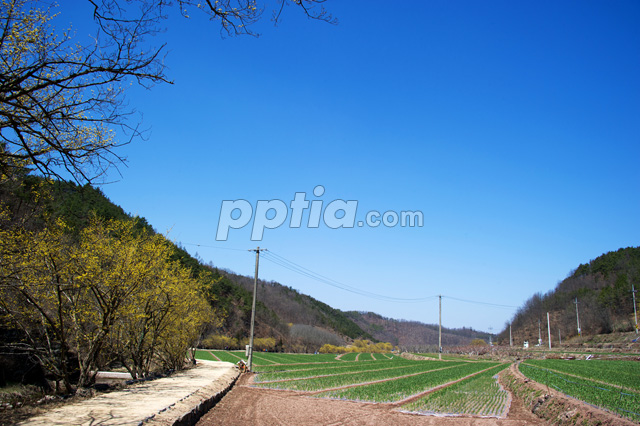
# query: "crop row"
{"type": "Point", "coordinates": [367, 371]}
{"type": "Point", "coordinates": [313, 370]}
{"type": "Point", "coordinates": [604, 396]}
{"type": "Point", "coordinates": [402, 388]}
{"type": "Point", "coordinates": [301, 366]}
{"type": "Point", "coordinates": [319, 361]}
{"type": "Point", "coordinates": [346, 379]}
{"type": "Point", "coordinates": [229, 356]}
{"type": "Point", "coordinates": [442, 356]}
{"type": "Point", "coordinates": [351, 356]}
{"type": "Point", "coordinates": [281, 358]}
{"type": "Point", "coordinates": [625, 374]}
{"type": "Point", "coordinates": [480, 395]}
{"type": "Point", "coordinates": [269, 360]}
{"type": "Point", "coordinates": [204, 354]}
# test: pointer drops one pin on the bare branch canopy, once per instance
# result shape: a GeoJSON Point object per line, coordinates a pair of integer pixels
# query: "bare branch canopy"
{"type": "Point", "coordinates": [62, 100]}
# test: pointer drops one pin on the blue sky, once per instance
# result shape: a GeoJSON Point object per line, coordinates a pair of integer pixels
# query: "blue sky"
{"type": "Point", "coordinates": [513, 126]}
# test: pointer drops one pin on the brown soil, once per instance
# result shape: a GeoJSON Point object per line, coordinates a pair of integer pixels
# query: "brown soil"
{"type": "Point", "coordinates": [253, 406]}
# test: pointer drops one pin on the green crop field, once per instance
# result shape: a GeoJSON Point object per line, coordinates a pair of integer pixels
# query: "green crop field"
{"type": "Point", "coordinates": [373, 377]}
{"type": "Point", "coordinates": [204, 354]}
{"type": "Point", "coordinates": [365, 357]}
{"type": "Point", "coordinates": [403, 387]}
{"type": "Point", "coordinates": [349, 357]}
{"type": "Point", "coordinates": [279, 358]}
{"type": "Point", "coordinates": [612, 385]}
{"type": "Point", "coordinates": [267, 360]}
{"type": "Point", "coordinates": [363, 375]}
{"type": "Point", "coordinates": [480, 395]}
{"type": "Point", "coordinates": [228, 356]}
{"type": "Point", "coordinates": [322, 369]}
{"type": "Point", "coordinates": [448, 357]}
{"type": "Point", "coordinates": [625, 374]}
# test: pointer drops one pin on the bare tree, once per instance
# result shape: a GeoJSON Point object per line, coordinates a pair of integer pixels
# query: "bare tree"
{"type": "Point", "coordinates": [61, 100]}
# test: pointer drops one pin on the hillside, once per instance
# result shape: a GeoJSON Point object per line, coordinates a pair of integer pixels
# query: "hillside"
{"type": "Point", "coordinates": [411, 335]}
{"type": "Point", "coordinates": [295, 308]}
{"type": "Point", "coordinates": [297, 321]}
{"type": "Point", "coordinates": [602, 287]}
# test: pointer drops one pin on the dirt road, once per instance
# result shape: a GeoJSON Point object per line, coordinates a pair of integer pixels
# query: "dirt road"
{"type": "Point", "coordinates": [244, 405]}
{"type": "Point", "coordinates": [156, 403]}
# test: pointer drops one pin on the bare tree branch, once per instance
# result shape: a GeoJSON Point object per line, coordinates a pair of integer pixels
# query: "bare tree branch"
{"type": "Point", "coordinates": [61, 100]}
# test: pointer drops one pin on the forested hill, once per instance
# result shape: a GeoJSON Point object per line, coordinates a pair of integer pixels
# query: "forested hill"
{"type": "Point", "coordinates": [296, 321]}
{"type": "Point", "coordinates": [603, 291]}
{"type": "Point", "coordinates": [302, 310]}
{"type": "Point", "coordinates": [412, 335]}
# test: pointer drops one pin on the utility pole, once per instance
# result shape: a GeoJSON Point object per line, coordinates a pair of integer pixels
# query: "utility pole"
{"type": "Point", "coordinates": [635, 312]}
{"type": "Point", "coordinates": [253, 307]}
{"type": "Point", "coordinates": [440, 329]}
{"type": "Point", "coordinates": [549, 330]}
{"type": "Point", "coordinates": [578, 318]}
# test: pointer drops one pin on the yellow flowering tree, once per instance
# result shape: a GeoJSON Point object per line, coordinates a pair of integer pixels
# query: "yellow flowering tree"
{"type": "Point", "coordinates": [37, 292]}
{"type": "Point", "coordinates": [112, 295]}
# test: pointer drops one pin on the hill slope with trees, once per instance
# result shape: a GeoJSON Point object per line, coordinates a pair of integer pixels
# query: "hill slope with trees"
{"type": "Point", "coordinates": [602, 289]}
{"type": "Point", "coordinates": [285, 318]}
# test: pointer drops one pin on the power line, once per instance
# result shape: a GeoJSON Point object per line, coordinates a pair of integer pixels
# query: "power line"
{"type": "Point", "coordinates": [301, 270]}
{"type": "Point", "coordinates": [496, 305]}
{"type": "Point", "coordinates": [294, 267]}
{"type": "Point", "coordinates": [213, 247]}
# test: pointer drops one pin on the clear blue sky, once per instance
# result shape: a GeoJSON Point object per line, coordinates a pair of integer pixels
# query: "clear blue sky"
{"type": "Point", "coordinates": [513, 126]}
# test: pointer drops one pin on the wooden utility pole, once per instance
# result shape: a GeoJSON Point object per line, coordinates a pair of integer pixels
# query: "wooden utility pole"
{"type": "Point", "coordinates": [549, 330]}
{"type": "Point", "coordinates": [578, 318]}
{"type": "Point", "coordinates": [440, 329]}
{"type": "Point", "coordinates": [253, 307]}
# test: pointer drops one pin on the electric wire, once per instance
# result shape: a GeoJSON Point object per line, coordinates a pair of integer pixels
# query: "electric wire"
{"type": "Point", "coordinates": [285, 263]}
{"type": "Point", "coordinates": [496, 305]}
{"type": "Point", "coordinates": [213, 247]}
{"type": "Point", "coordinates": [294, 267]}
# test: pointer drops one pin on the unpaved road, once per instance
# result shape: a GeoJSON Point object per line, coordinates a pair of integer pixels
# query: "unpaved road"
{"type": "Point", "coordinates": [157, 403]}
{"type": "Point", "coordinates": [244, 405]}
